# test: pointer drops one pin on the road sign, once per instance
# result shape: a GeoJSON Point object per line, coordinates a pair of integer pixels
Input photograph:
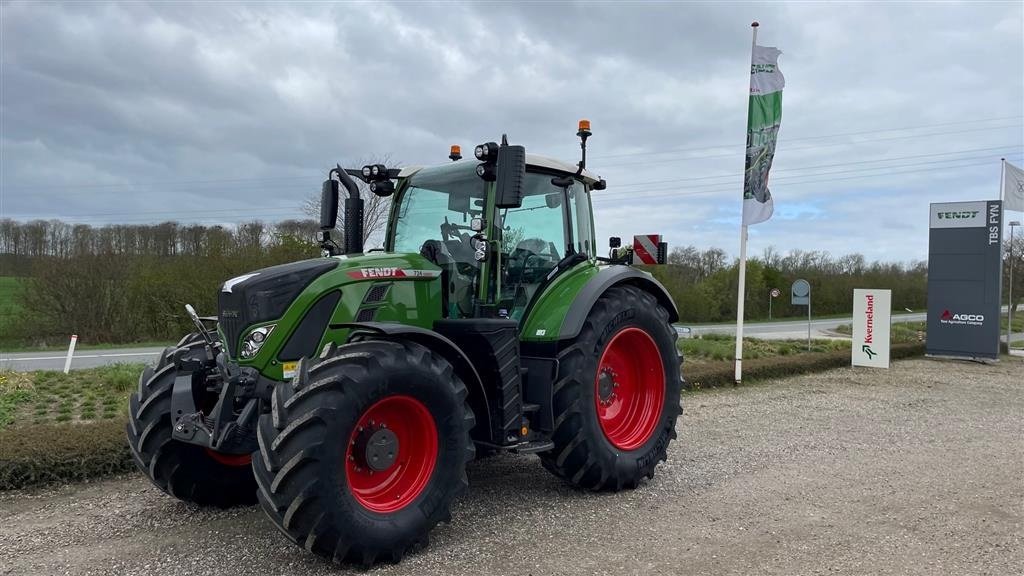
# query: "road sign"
{"type": "Point", "coordinates": [871, 318]}
{"type": "Point", "coordinates": [800, 293]}
{"type": "Point", "coordinates": [645, 249]}
{"type": "Point", "coordinates": [776, 292]}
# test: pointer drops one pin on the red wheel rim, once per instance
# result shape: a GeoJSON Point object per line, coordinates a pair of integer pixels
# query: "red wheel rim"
{"type": "Point", "coordinates": [407, 422]}
{"type": "Point", "coordinates": [629, 388]}
{"type": "Point", "coordinates": [230, 459]}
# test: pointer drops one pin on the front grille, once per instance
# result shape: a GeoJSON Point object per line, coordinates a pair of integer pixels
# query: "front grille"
{"type": "Point", "coordinates": [231, 320]}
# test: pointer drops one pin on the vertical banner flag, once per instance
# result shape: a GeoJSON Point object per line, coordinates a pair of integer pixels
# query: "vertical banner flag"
{"type": "Point", "coordinates": [1013, 188]}
{"type": "Point", "coordinates": [763, 118]}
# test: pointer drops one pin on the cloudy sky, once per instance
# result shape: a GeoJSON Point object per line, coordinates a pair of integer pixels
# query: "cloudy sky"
{"type": "Point", "coordinates": [223, 113]}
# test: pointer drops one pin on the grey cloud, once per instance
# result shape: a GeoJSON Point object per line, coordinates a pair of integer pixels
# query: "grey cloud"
{"type": "Point", "coordinates": [135, 108]}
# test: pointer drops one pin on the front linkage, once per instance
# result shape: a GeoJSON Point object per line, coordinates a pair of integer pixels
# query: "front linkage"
{"type": "Point", "coordinates": [215, 404]}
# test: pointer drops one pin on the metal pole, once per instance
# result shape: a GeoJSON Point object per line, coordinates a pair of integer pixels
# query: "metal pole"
{"type": "Point", "coordinates": [808, 316]}
{"type": "Point", "coordinates": [1009, 308]}
{"type": "Point", "coordinates": [770, 303]}
{"type": "Point", "coordinates": [741, 289]}
{"type": "Point", "coordinates": [739, 303]}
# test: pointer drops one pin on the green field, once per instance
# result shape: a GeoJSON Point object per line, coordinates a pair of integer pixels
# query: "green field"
{"type": "Point", "coordinates": [9, 308]}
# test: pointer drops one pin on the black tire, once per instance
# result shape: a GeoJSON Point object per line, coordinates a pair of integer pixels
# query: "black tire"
{"type": "Point", "coordinates": [185, 471]}
{"type": "Point", "coordinates": [303, 471]}
{"type": "Point", "coordinates": [583, 454]}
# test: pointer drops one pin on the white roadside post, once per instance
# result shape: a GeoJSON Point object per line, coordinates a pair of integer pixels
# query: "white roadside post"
{"type": "Point", "coordinates": [872, 315]}
{"type": "Point", "coordinates": [71, 353]}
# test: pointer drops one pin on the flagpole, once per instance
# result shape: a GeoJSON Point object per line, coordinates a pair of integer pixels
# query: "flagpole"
{"type": "Point", "coordinates": [742, 288]}
{"type": "Point", "coordinates": [1002, 179]}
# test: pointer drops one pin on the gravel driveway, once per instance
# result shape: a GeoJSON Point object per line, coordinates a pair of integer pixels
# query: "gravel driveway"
{"type": "Point", "coordinates": [915, 470]}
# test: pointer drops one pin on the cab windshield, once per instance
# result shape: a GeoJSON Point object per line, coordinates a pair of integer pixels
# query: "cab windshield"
{"type": "Point", "coordinates": [432, 218]}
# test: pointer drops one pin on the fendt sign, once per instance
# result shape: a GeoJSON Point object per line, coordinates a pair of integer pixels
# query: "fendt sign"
{"type": "Point", "coordinates": [964, 275]}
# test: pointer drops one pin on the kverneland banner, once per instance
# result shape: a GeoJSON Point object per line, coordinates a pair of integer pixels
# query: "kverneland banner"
{"type": "Point", "coordinates": [964, 276]}
{"type": "Point", "coordinates": [872, 311]}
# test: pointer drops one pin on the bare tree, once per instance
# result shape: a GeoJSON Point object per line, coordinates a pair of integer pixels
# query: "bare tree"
{"type": "Point", "coordinates": [375, 208]}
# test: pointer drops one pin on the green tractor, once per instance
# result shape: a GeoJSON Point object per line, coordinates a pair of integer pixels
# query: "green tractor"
{"type": "Point", "coordinates": [346, 394]}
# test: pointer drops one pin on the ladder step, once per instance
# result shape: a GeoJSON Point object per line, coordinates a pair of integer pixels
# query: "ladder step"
{"type": "Point", "coordinates": [533, 447]}
{"type": "Point", "coordinates": [528, 408]}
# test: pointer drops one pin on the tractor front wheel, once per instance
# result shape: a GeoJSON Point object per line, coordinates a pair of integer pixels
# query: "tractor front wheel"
{"type": "Point", "coordinates": [186, 471]}
{"type": "Point", "coordinates": [616, 400]}
{"type": "Point", "coordinates": [365, 450]}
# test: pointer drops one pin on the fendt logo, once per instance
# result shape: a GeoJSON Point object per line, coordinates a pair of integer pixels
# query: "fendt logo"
{"type": "Point", "coordinates": [957, 215]}
{"type": "Point", "coordinates": [962, 319]}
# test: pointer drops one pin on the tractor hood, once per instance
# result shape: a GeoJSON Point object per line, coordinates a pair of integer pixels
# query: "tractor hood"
{"type": "Point", "coordinates": [264, 295]}
{"type": "Point", "coordinates": [302, 305]}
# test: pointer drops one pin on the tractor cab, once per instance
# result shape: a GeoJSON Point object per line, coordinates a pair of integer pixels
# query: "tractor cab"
{"type": "Point", "coordinates": [494, 258]}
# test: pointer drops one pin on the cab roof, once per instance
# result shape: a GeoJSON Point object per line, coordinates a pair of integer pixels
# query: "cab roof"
{"type": "Point", "coordinates": [534, 160]}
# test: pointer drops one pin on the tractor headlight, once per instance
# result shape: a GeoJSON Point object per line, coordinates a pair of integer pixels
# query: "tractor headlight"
{"type": "Point", "coordinates": [366, 172]}
{"type": "Point", "coordinates": [255, 339]}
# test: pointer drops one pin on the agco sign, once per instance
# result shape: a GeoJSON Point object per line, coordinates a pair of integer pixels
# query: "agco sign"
{"type": "Point", "coordinates": [968, 319]}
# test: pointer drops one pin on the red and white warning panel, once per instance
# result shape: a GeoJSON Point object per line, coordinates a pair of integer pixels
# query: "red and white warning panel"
{"type": "Point", "coordinates": [645, 249]}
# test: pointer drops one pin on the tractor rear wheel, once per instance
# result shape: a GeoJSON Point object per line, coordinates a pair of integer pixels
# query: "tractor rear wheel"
{"type": "Point", "coordinates": [617, 397]}
{"type": "Point", "coordinates": [185, 471]}
{"type": "Point", "coordinates": [365, 450]}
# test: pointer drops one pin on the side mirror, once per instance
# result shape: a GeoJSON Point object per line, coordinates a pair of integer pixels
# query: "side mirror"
{"type": "Point", "coordinates": [614, 242]}
{"type": "Point", "coordinates": [329, 204]}
{"type": "Point", "coordinates": [511, 176]}
{"type": "Point", "coordinates": [553, 200]}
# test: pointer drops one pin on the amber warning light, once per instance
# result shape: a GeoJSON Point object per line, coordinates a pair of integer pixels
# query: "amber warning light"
{"type": "Point", "coordinates": [585, 126]}
{"type": "Point", "coordinates": [456, 153]}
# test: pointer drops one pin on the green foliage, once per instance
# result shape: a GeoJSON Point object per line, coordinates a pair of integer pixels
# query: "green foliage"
{"type": "Point", "coordinates": [42, 453]}
{"type": "Point", "coordinates": [704, 283]}
{"type": "Point", "coordinates": [718, 347]}
{"type": "Point", "coordinates": [714, 374]}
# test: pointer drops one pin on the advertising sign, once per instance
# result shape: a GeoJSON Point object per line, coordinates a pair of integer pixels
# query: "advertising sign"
{"type": "Point", "coordinates": [871, 316]}
{"type": "Point", "coordinates": [964, 276]}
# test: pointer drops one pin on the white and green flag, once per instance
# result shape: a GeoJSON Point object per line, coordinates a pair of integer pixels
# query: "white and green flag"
{"type": "Point", "coordinates": [1013, 188]}
{"type": "Point", "coordinates": [763, 118]}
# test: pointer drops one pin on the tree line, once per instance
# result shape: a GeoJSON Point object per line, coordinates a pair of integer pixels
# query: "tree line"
{"type": "Point", "coordinates": [126, 283]}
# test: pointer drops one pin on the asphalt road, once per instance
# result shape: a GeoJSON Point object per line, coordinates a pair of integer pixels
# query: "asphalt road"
{"type": "Point", "coordinates": [913, 470]}
{"type": "Point", "coordinates": [52, 360]}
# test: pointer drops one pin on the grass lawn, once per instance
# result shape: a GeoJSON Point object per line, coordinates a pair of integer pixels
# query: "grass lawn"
{"type": "Point", "coordinates": [83, 395]}
{"type": "Point", "coordinates": [718, 347]}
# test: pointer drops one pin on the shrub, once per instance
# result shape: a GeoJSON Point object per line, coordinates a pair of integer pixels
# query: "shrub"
{"type": "Point", "coordinates": [716, 374]}
{"type": "Point", "coordinates": [43, 453]}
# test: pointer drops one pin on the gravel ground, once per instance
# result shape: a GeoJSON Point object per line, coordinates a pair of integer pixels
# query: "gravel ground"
{"type": "Point", "coordinates": [915, 470]}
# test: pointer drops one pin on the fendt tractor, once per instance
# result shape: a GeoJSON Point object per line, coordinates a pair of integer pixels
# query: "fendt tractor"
{"type": "Point", "coordinates": [346, 394]}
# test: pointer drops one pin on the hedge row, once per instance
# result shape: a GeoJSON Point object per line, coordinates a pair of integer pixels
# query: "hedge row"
{"type": "Point", "coordinates": [716, 374]}
{"type": "Point", "coordinates": [45, 453]}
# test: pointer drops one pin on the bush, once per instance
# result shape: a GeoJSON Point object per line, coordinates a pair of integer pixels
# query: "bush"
{"type": "Point", "coordinates": [44, 453]}
{"type": "Point", "coordinates": [716, 374]}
